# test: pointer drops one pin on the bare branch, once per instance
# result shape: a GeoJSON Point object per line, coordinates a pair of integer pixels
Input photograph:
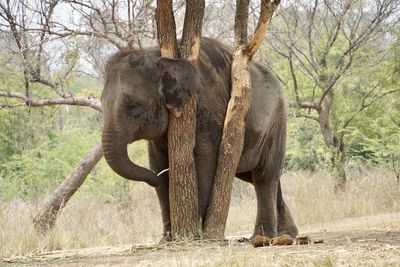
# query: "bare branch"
{"type": "Point", "coordinates": [302, 104]}
{"type": "Point", "coordinates": [74, 101]}
{"type": "Point", "coordinates": [301, 115]}
{"type": "Point", "coordinates": [364, 105]}
{"type": "Point", "coordinates": [267, 10]}
{"type": "Point", "coordinates": [310, 36]}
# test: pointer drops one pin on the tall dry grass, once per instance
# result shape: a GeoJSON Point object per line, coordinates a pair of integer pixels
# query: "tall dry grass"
{"type": "Point", "coordinates": [90, 221]}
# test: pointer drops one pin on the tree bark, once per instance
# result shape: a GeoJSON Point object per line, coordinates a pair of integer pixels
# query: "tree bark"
{"type": "Point", "coordinates": [166, 33]}
{"type": "Point", "coordinates": [183, 192]}
{"type": "Point", "coordinates": [45, 219]}
{"type": "Point", "coordinates": [234, 126]}
{"type": "Point", "coordinates": [338, 167]}
{"type": "Point", "coordinates": [241, 22]}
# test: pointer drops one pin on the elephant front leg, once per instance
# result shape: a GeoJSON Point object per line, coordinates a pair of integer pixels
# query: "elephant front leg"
{"type": "Point", "coordinates": [163, 198]}
{"type": "Point", "coordinates": [158, 160]}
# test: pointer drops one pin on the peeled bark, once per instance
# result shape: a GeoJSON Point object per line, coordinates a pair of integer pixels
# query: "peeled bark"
{"type": "Point", "coordinates": [230, 148]}
{"type": "Point", "coordinates": [234, 126]}
{"type": "Point", "coordinates": [166, 33]}
{"type": "Point", "coordinates": [45, 219]}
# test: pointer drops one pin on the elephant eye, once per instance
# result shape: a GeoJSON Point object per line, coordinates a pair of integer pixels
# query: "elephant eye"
{"type": "Point", "coordinates": [134, 109]}
{"type": "Point", "coordinates": [131, 107]}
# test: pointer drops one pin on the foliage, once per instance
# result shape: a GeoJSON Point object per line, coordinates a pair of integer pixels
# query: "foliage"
{"type": "Point", "coordinates": [305, 149]}
{"type": "Point", "coordinates": [32, 173]}
{"type": "Point", "coordinates": [41, 169]}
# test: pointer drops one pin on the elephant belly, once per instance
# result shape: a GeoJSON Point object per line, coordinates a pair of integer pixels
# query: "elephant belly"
{"type": "Point", "coordinates": [248, 161]}
{"type": "Point", "coordinates": [252, 150]}
{"type": "Point", "coordinates": [257, 128]}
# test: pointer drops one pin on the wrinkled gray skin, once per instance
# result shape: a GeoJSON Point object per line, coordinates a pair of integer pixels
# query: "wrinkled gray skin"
{"type": "Point", "coordinates": [134, 107]}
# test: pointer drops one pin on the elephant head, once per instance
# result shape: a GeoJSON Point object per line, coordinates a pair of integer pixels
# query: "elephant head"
{"type": "Point", "coordinates": [139, 87]}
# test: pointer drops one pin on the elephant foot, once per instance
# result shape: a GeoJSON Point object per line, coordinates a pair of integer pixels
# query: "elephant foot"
{"type": "Point", "coordinates": [292, 232]}
{"type": "Point", "coordinates": [166, 237]}
{"type": "Point", "coordinates": [287, 227]}
{"type": "Point", "coordinates": [264, 230]}
{"type": "Point", "coordinates": [260, 241]}
{"type": "Point", "coordinates": [282, 240]}
{"type": "Point", "coordinates": [265, 236]}
{"type": "Point", "coordinates": [264, 241]}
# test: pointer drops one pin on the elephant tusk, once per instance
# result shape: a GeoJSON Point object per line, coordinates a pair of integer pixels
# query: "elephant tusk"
{"type": "Point", "coordinates": [161, 172]}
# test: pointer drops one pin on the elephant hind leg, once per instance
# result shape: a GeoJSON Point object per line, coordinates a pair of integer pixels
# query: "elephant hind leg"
{"type": "Point", "coordinates": [286, 223]}
{"type": "Point", "coordinates": [273, 215]}
{"type": "Point", "coordinates": [266, 220]}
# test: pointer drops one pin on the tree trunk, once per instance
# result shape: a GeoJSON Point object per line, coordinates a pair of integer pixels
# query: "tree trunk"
{"type": "Point", "coordinates": [234, 126]}
{"type": "Point", "coordinates": [338, 157]}
{"type": "Point", "coordinates": [45, 219]}
{"type": "Point", "coordinates": [338, 167]}
{"type": "Point", "coordinates": [183, 192]}
{"type": "Point", "coordinates": [230, 148]}
{"type": "Point", "coordinates": [166, 33]}
{"type": "Point", "coordinates": [336, 145]}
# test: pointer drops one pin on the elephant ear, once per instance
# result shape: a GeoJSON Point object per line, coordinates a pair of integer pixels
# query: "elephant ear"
{"type": "Point", "coordinates": [180, 80]}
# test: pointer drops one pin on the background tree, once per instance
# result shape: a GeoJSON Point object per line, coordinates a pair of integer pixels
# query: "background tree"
{"type": "Point", "coordinates": [325, 42]}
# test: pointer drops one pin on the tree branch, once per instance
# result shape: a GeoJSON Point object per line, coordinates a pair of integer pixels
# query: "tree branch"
{"type": "Point", "coordinates": [241, 22]}
{"type": "Point", "coordinates": [166, 29]}
{"type": "Point", "coordinates": [267, 10]}
{"type": "Point", "coordinates": [301, 115]}
{"type": "Point", "coordinates": [302, 104]}
{"type": "Point", "coordinates": [74, 101]}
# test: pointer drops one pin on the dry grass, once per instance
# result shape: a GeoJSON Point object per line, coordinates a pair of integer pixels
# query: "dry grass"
{"type": "Point", "coordinates": [88, 221]}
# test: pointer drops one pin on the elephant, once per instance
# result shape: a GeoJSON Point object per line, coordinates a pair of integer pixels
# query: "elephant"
{"type": "Point", "coordinates": [141, 88]}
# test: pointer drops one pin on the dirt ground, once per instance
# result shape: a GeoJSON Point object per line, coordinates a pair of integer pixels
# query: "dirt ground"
{"type": "Point", "coordinates": [366, 241]}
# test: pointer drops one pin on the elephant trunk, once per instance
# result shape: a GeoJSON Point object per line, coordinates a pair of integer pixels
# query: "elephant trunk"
{"type": "Point", "coordinates": [116, 155]}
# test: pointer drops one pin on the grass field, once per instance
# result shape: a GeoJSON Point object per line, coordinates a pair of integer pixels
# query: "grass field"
{"type": "Point", "coordinates": [89, 221]}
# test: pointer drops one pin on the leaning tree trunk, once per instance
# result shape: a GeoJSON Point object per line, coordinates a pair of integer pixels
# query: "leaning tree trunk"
{"type": "Point", "coordinates": [183, 192]}
{"type": "Point", "coordinates": [234, 126]}
{"type": "Point", "coordinates": [45, 219]}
